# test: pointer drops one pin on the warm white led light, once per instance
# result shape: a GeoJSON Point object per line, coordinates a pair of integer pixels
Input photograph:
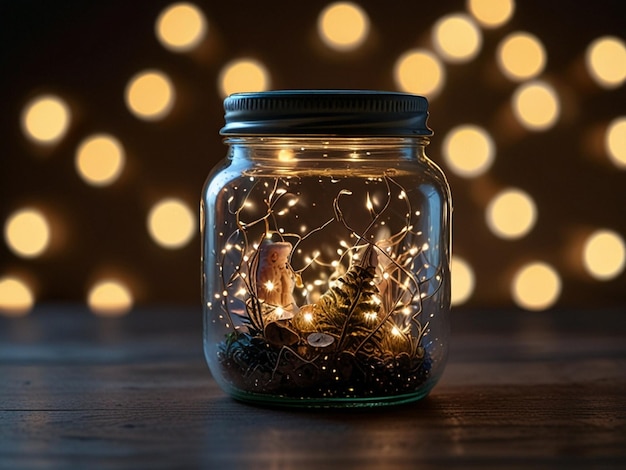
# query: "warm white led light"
{"type": "Point", "coordinates": [521, 56]}
{"type": "Point", "coordinates": [100, 159]}
{"type": "Point", "coordinates": [244, 75]}
{"type": "Point", "coordinates": [511, 214]}
{"type": "Point", "coordinates": [16, 297]}
{"type": "Point", "coordinates": [46, 119]}
{"type": "Point", "coordinates": [462, 280]}
{"type": "Point", "coordinates": [604, 255]}
{"type": "Point", "coordinates": [606, 61]}
{"type": "Point", "coordinates": [150, 95]}
{"type": "Point", "coordinates": [536, 106]}
{"type": "Point", "coordinates": [615, 142]}
{"type": "Point", "coordinates": [419, 71]}
{"type": "Point", "coordinates": [110, 297]}
{"type": "Point", "coordinates": [171, 223]}
{"type": "Point", "coordinates": [468, 150]}
{"type": "Point", "coordinates": [457, 38]}
{"type": "Point", "coordinates": [343, 26]}
{"type": "Point", "coordinates": [536, 286]}
{"type": "Point", "coordinates": [181, 27]}
{"type": "Point", "coordinates": [27, 233]}
{"type": "Point", "coordinates": [491, 13]}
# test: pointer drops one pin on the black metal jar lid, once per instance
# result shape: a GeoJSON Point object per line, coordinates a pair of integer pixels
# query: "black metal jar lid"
{"type": "Point", "coordinates": [326, 112]}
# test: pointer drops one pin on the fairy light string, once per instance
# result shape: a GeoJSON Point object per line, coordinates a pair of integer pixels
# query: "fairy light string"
{"type": "Point", "coordinates": [394, 309]}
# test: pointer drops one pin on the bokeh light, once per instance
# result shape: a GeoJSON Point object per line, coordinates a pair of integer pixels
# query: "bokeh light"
{"type": "Point", "coordinates": [521, 56]}
{"type": "Point", "coordinates": [615, 142]}
{"type": "Point", "coordinates": [110, 297]}
{"type": "Point", "coordinates": [536, 105]}
{"type": "Point", "coordinates": [462, 280]}
{"type": "Point", "coordinates": [457, 38]}
{"type": "Point", "coordinates": [511, 214]}
{"type": "Point", "coordinates": [181, 27]}
{"type": "Point", "coordinates": [604, 255]}
{"type": "Point", "coordinates": [150, 95]}
{"type": "Point", "coordinates": [420, 72]}
{"type": "Point", "coordinates": [45, 119]}
{"type": "Point", "coordinates": [343, 26]}
{"type": "Point", "coordinates": [27, 233]}
{"type": "Point", "coordinates": [16, 298]}
{"type": "Point", "coordinates": [171, 223]}
{"type": "Point", "coordinates": [605, 59]}
{"type": "Point", "coordinates": [536, 286]}
{"type": "Point", "coordinates": [491, 13]}
{"type": "Point", "coordinates": [563, 80]}
{"type": "Point", "coordinates": [468, 150]}
{"type": "Point", "coordinates": [100, 159]}
{"type": "Point", "coordinates": [243, 75]}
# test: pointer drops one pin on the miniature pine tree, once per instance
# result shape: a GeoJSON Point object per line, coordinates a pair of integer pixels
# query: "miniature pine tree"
{"type": "Point", "coordinates": [350, 309]}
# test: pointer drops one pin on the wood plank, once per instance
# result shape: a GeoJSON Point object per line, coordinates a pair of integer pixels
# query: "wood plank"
{"type": "Point", "coordinates": [76, 392]}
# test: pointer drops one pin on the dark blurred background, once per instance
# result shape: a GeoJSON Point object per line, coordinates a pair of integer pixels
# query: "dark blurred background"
{"type": "Point", "coordinates": [67, 238]}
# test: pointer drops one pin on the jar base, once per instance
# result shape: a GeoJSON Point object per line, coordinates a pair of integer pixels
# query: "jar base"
{"type": "Point", "coordinates": [331, 402]}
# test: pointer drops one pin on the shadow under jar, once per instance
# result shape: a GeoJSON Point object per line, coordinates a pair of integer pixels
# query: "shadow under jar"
{"type": "Point", "coordinates": [326, 249]}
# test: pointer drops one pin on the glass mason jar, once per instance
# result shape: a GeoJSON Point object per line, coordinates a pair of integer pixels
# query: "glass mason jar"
{"type": "Point", "coordinates": [326, 249]}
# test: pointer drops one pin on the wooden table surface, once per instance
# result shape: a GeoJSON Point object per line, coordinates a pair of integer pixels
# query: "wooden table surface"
{"type": "Point", "coordinates": [521, 390]}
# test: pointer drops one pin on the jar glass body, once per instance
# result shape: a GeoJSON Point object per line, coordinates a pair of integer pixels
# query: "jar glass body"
{"type": "Point", "coordinates": [325, 270]}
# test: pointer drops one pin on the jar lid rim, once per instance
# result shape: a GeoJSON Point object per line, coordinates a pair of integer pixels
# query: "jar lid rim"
{"type": "Point", "coordinates": [326, 112]}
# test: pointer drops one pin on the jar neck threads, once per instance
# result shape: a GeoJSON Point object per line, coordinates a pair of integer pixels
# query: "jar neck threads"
{"type": "Point", "coordinates": [294, 149]}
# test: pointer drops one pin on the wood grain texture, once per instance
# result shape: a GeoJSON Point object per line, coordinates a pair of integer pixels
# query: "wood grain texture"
{"type": "Point", "coordinates": [521, 390]}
